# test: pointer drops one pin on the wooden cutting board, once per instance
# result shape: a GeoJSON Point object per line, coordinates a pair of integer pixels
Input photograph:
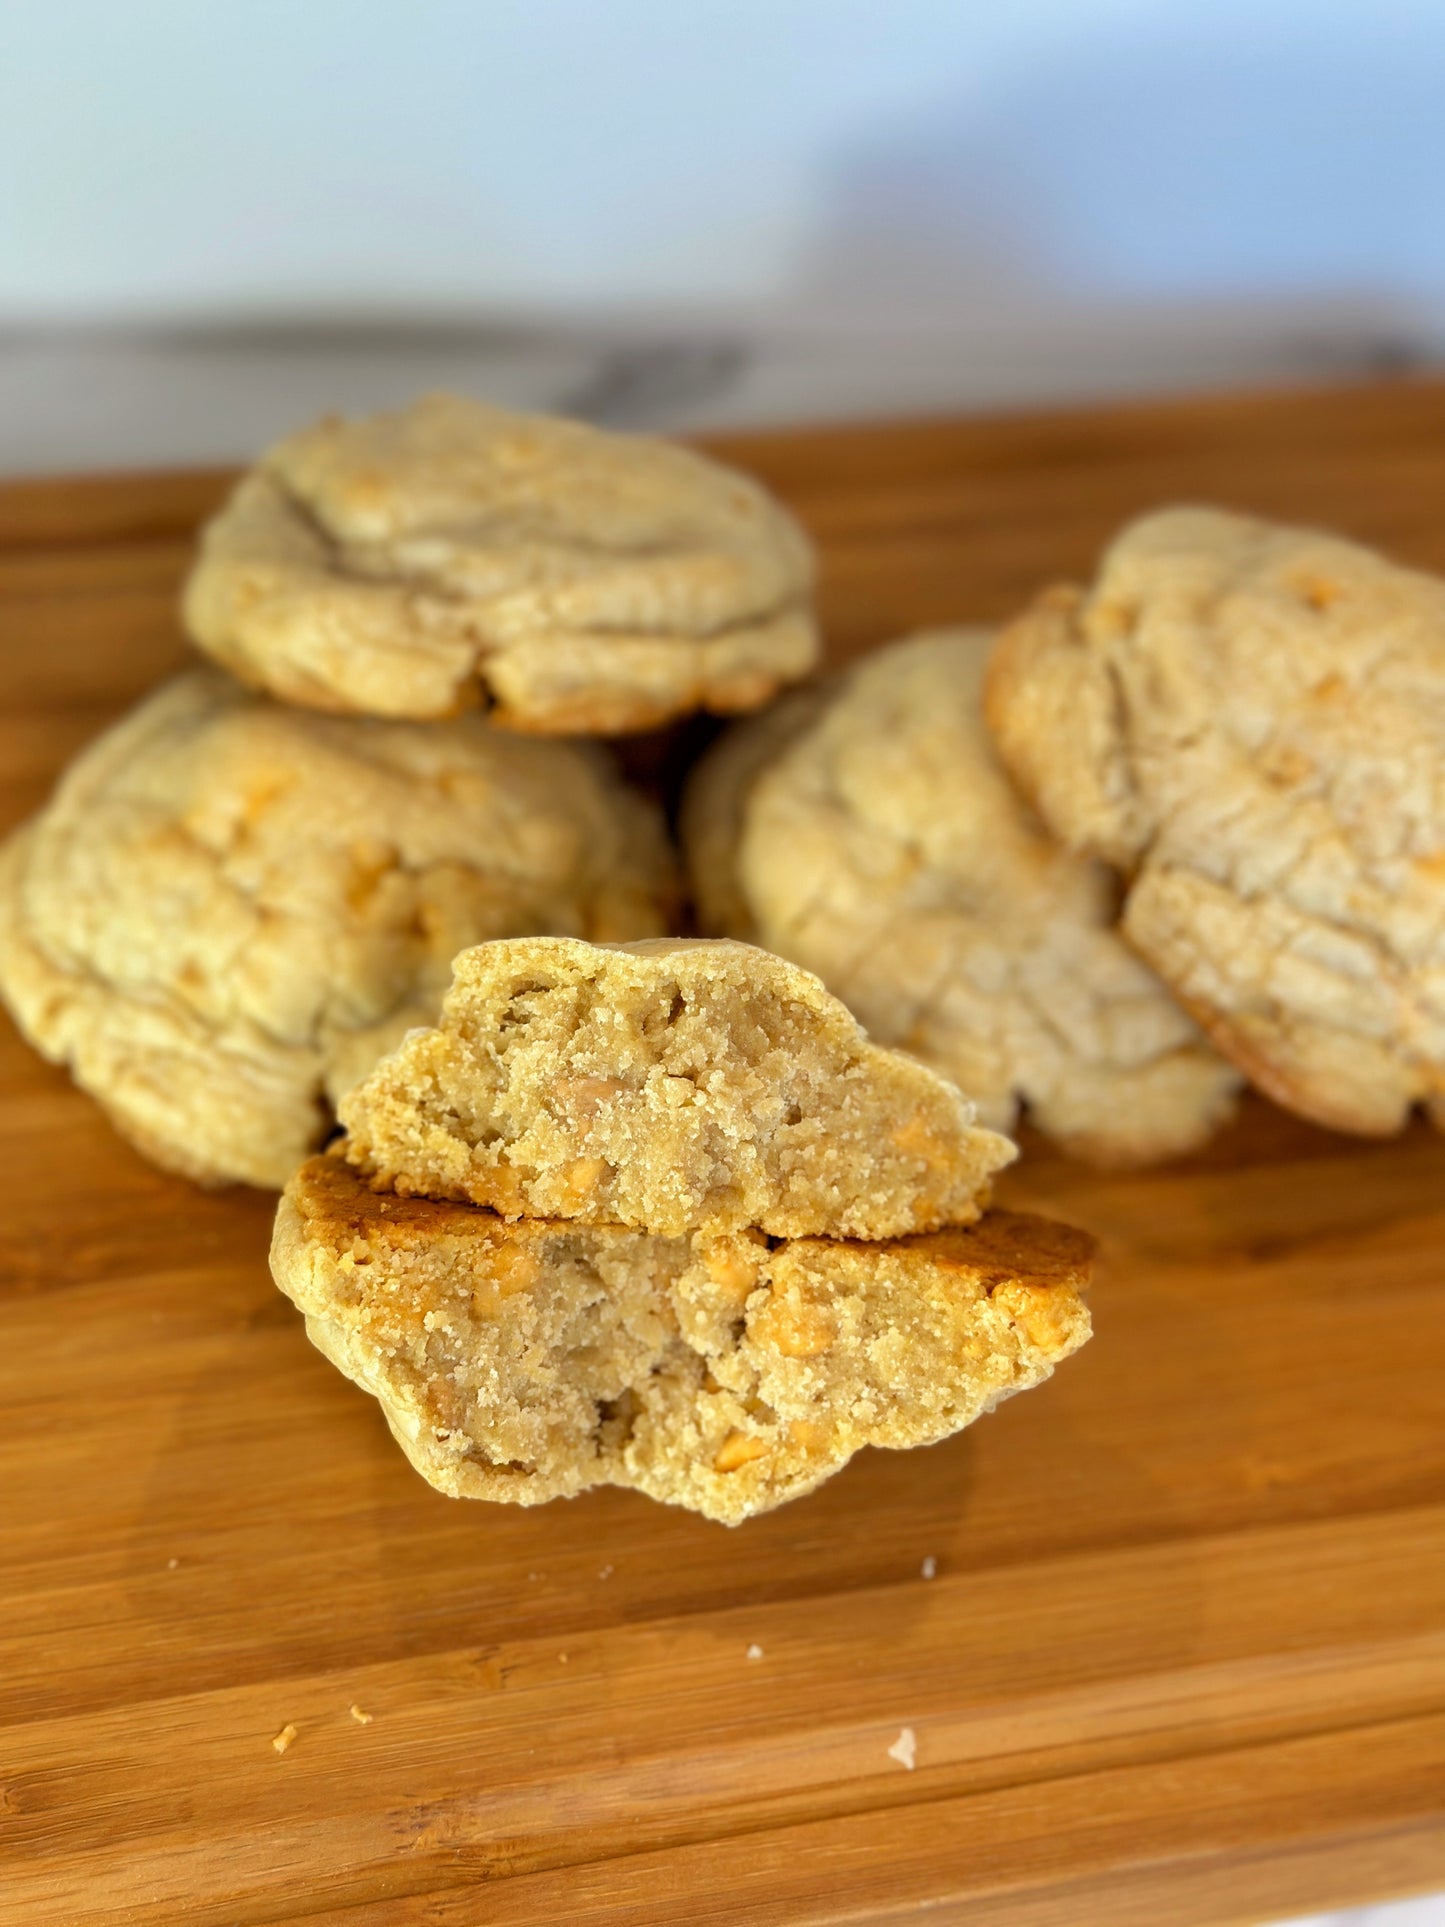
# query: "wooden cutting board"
{"type": "Point", "coordinates": [1183, 1658]}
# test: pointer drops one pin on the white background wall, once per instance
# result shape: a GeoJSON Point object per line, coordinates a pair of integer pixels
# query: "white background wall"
{"type": "Point", "coordinates": [816, 206]}
{"type": "Point", "coordinates": [181, 157]}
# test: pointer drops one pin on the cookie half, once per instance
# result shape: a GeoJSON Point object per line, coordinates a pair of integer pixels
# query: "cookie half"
{"type": "Point", "coordinates": [528, 1361]}
{"type": "Point", "coordinates": [230, 909]}
{"type": "Point", "coordinates": [672, 1087]}
{"type": "Point", "coordinates": [876, 840]}
{"type": "Point", "coordinates": [581, 582]}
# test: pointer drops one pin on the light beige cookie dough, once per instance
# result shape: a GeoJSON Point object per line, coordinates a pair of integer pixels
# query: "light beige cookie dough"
{"type": "Point", "coordinates": [583, 582]}
{"type": "Point", "coordinates": [528, 1361]}
{"type": "Point", "coordinates": [1249, 720]}
{"type": "Point", "coordinates": [878, 843]}
{"type": "Point", "coordinates": [672, 1086]}
{"type": "Point", "coordinates": [230, 909]}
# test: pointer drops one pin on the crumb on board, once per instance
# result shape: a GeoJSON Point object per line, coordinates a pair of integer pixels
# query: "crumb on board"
{"type": "Point", "coordinates": [362, 1719]}
{"type": "Point", "coordinates": [929, 1567]}
{"type": "Point", "coordinates": [755, 1652]}
{"type": "Point", "coordinates": [1260, 1475]}
{"type": "Point", "coordinates": [171, 1564]}
{"type": "Point", "coordinates": [284, 1738]}
{"type": "Point", "coordinates": [905, 1749]}
{"type": "Point", "coordinates": [561, 1659]}
{"type": "Point", "coordinates": [606, 1572]}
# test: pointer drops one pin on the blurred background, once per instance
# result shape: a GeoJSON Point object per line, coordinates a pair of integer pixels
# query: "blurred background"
{"type": "Point", "coordinates": [217, 221]}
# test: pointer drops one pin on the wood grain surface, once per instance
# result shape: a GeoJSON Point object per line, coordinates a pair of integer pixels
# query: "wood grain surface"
{"type": "Point", "coordinates": [1183, 1659]}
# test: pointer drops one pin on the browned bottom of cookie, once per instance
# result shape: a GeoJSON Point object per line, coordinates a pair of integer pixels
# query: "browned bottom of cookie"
{"type": "Point", "coordinates": [528, 1360]}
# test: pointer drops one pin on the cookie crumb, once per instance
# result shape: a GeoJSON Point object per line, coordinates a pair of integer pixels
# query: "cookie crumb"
{"type": "Point", "coordinates": [561, 1659]}
{"type": "Point", "coordinates": [171, 1564]}
{"type": "Point", "coordinates": [606, 1572]}
{"type": "Point", "coordinates": [929, 1568]}
{"type": "Point", "coordinates": [905, 1749]}
{"type": "Point", "coordinates": [362, 1719]}
{"type": "Point", "coordinates": [284, 1738]}
{"type": "Point", "coordinates": [755, 1652]}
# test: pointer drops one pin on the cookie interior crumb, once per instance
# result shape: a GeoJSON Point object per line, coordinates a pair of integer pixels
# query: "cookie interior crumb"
{"type": "Point", "coordinates": [673, 1086]}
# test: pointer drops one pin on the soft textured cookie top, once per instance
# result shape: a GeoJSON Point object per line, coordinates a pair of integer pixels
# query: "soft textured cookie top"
{"type": "Point", "coordinates": [1250, 721]}
{"type": "Point", "coordinates": [876, 841]}
{"type": "Point", "coordinates": [529, 1360]}
{"type": "Point", "coordinates": [583, 582]}
{"type": "Point", "coordinates": [674, 1086]}
{"type": "Point", "coordinates": [229, 909]}
{"type": "Point", "coordinates": [716, 801]}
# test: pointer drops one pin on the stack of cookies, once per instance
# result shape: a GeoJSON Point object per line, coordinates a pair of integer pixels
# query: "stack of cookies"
{"type": "Point", "coordinates": [661, 1216]}
{"type": "Point", "coordinates": [656, 1217]}
{"type": "Point", "coordinates": [615, 1208]}
{"type": "Point", "coordinates": [249, 889]}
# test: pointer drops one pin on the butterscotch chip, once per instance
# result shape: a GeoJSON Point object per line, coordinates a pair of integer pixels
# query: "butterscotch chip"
{"type": "Point", "coordinates": [629, 1360]}
{"type": "Point", "coordinates": [1249, 721]}
{"type": "Point", "coordinates": [454, 553]}
{"type": "Point", "coordinates": [869, 834]}
{"type": "Point", "coordinates": [672, 1086]}
{"type": "Point", "coordinates": [230, 909]}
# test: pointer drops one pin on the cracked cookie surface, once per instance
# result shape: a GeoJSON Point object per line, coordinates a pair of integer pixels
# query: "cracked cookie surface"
{"type": "Point", "coordinates": [1249, 721]}
{"type": "Point", "coordinates": [530, 1360]}
{"type": "Point", "coordinates": [229, 909]}
{"type": "Point", "coordinates": [713, 817]}
{"type": "Point", "coordinates": [874, 839]}
{"type": "Point", "coordinates": [673, 1086]}
{"type": "Point", "coordinates": [580, 581]}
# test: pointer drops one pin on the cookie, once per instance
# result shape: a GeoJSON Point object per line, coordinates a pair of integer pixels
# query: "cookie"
{"type": "Point", "coordinates": [713, 813]}
{"type": "Point", "coordinates": [671, 1087]}
{"type": "Point", "coordinates": [1249, 721]}
{"type": "Point", "coordinates": [878, 843]}
{"type": "Point", "coordinates": [528, 1361]}
{"type": "Point", "coordinates": [230, 909]}
{"type": "Point", "coordinates": [582, 582]}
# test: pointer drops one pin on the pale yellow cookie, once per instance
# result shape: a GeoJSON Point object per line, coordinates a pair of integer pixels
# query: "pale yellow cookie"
{"type": "Point", "coordinates": [583, 582]}
{"type": "Point", "coordinates": [1249, 720]}
{"type": "Point", "coordinates": [715, 804]}
{"type": "Point", "coordinates": [528, 1361]}
{"type": "Point", "coordinates": [671, 1086]}
{"type": "Point", "coordinates": [877, 842]}
{"type": "Point", "coordinates": [229, 909]}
